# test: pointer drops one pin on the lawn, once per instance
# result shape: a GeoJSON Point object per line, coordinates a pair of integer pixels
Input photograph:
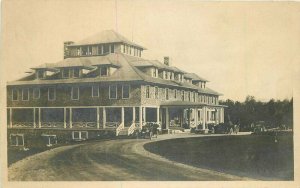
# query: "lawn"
{"type": "Point", "coordinates": [254, 156]}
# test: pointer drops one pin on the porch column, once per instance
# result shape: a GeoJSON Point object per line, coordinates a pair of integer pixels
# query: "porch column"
{"type": "Point", "coordinates": [144, 114]}
{"type": "Point", "coordinates": [40, 124]}
{"type": "Point", "coordinates": [98, 118]}
{"type": "Point", "coordinates": [104, 117]}
{"type": "Point", "coordinates": [133, 114]}
{"type": "Point", "coordinates": [204, 117]}
{"type": "Point", "coordinates": [140, 116]}
{"type": "Point", "coordinates": [122, 115]}
{"type": "Point", "coordinates": [167, 118]}
{"type": "Point", "coordinates": [189, 116]}
{"type": "Point", "coordinates": [71, 118]}
{"type": "Point", "coordinates": [65, 118]}
{"type": "Point", "coordinates": [34, 123]}
{"type": "Point", "coordinates": [157, 115]}
{"type": "Point", "coordinates": [196, 117]}
{"type": "Point", "coordinates": [222, 115]}
{"type": "Point", "coordinates": [10, 118]}
{"type": "Point", "coordinates": [217, 115]}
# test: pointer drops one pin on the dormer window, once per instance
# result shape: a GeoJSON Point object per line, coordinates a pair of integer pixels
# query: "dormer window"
{"type": "Point", "coordinates": [100, 50]}
{"type": "Point", "coordinates": [65, 73]}
{"type": "Point", "coordinates": [105, 48]}
{"type": "Point", "coordinates": [76, 72]}
{"type": "Point", "coordinates": [103, 71]}
{"type": "Point", "coordinates": [84, 50]}
{"type": "Point", "coordinates": [40, 74]}
{"type": "Point", "coordinates": [165, 75]}
{"type": "Point", "coordinates": [112, 48]}
{"type": "Point", "coordinates": [154, 72]}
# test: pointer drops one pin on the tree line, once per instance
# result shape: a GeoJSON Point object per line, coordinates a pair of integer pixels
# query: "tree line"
{"type": "Point", "coordinates": [273, 113]}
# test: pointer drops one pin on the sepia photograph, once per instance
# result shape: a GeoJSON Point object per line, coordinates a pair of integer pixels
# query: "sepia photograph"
{"type": "Point", "coordinates": [149, 91]}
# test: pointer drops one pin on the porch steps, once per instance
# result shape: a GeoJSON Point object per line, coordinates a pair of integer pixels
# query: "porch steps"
{"type": "Point", "coordinates": [123, 132]}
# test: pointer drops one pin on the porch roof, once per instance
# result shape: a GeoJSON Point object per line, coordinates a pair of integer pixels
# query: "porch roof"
{"type": "Point", "coordinates": [187, 104]}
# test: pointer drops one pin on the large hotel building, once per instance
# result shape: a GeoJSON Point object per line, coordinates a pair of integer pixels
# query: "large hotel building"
{"type": "Point", "coordinates": [103, 87]}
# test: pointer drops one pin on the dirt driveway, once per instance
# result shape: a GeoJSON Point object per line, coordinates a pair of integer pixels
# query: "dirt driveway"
{"type": "Point", "coordinates": [122, 160]}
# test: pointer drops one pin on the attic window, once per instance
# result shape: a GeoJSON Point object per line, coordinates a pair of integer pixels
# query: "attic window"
{"type": "Point", "coordinates": [112, 48]}
{"type": "Point", "coordinates": [84, 50]}
{"type": "Point", "coordinates": [40, 74]}
{"type": "Point", "coordinates": [76, 72]}
{"type": "Point", "coordinates": [100, 50]}
{"type": "Point", "coordinates": [104, 71]}
{"type": "Point", "coordinates": [65, 73]}
{"type": "Point", "coordinates": [105, 48]}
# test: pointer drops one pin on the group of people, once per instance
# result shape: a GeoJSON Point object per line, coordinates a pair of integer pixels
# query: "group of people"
{"type": "Point", "coordinates": [234, 129]}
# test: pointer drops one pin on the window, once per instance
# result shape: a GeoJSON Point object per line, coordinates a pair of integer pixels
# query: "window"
{"type": "Point", "coordinates": [40, 74]}
{"type": "Point", "coordinates": [113, 91]}
{"type": "Point", "coordinates": [100, 50]}
{"type": "Point", "coordinates": [79, 135]}
{"type": "Point", "coordinates": [164, 75]}
{"type": "Point", "coordinates": [75, 93]}
{"type": "Point", "coordinates": [65, 73]}
{"type": "Point", "coordinates": [84, 50]}
{"type": "Point", "coordinates": [104, 71]}
{"type": "Point", "coordinates": [105, 48]}
{"type": "Point", "coordinates": [194, 97]}
{"type": "Point", "coordinates": [16, 139]}
{"type": "Point", "coordinates": [95, 91]}
{"type": "Point", "coordinates": [25, 94]}
{"type": "Point", "coordinates": [155, 72]}
{"type": "Point", "coordinates": [78, 52]}
{"type": "Point", "coordinates": [76, 72]}
{"type": "Point", "coordinates": [147, 92]}
{"type": "Point", "coordinates": [51, 94]}
{"type": "Point", "coordinates": [15, 94]}
{"type": "Point", "coordinates": [125, 91]}
{"type": "Point", "coordinates": [112, 48]}
{"type": "Point", "coordinates": [175, 93]}
{"type": "Point", "coordinates": [182, 95]}
{"type": "Point", "coordinates": [189, 96]}
{"type": "Point", "coordinates": [89, 50]}
{"type": "Point", "coordinates": [167, 93]}
{"type": "Point", "coordinates": [123, 48]}
{"type": "Point", "coordinates": [156, 92]}
{"type": "Point", "coordinates": [36, 93]}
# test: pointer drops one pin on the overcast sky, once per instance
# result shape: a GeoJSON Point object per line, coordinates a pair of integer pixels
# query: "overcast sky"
{"type": "Point", "coordinates": [241, 48]}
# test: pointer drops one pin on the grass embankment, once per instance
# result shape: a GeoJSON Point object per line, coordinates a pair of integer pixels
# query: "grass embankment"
{"type": "Point", "coordinates": [254, 156]}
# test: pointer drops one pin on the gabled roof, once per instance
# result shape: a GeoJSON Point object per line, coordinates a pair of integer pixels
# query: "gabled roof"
{"type": "Point", "coordinates": [106, 36]}
{"type": "Point", "coordinates": [139, 62]}
{"type": "Point", "coordinates": [194, 77]}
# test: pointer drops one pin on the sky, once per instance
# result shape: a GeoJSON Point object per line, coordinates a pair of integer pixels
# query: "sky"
{"type": "Point", "coordinates": [241, 48]}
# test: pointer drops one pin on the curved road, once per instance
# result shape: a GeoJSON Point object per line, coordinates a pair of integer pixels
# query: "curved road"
{"type": "Point", "coordinates": [114, 160]}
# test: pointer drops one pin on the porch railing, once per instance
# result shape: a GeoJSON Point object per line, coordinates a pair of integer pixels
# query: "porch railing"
{"type": "Point", "coordinates": [52, 124]}
{"type": "Point", "coordinates": [119, 128]}
{"type": "Point", "coordinates": [131, 129]}
{"type": "Point", "coordinates": [112, 124]}
{"type": "Point", "coordinates": [84, 124]}
{"type": "Point", "coordinates": [22, 124]}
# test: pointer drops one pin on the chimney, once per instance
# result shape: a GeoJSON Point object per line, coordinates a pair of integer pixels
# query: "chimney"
{"type": "Point", "coordinates": [167, 60]}
{"type": "Point", "coordinates": [66, 49]}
